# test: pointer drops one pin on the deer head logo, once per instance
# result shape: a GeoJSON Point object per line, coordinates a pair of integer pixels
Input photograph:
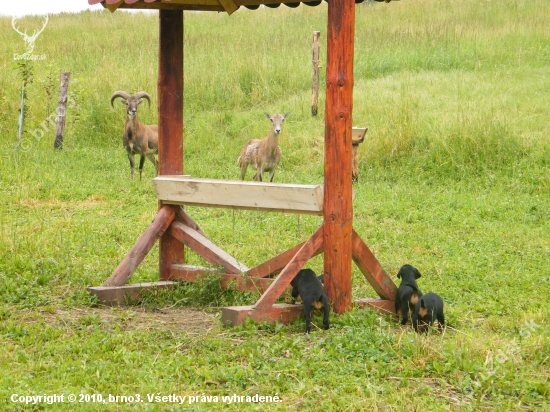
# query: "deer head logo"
{"type": "Point", "coordinates": [29, 39]}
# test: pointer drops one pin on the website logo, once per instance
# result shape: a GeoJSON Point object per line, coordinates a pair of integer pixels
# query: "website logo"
{"type": "Point", "coordinates": [29, 40]}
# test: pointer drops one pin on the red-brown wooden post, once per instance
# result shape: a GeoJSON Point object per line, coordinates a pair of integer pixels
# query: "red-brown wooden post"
{"type": "Point", "coordinates": [170, 119]}
{"type": "Point", "coordinates": [338, 208]}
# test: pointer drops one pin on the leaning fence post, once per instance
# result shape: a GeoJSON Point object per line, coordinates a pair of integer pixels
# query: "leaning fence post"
{"type": "Point", "coordinates": [61, 110]}
{"type": "Point", "coordinates": [315, 88]}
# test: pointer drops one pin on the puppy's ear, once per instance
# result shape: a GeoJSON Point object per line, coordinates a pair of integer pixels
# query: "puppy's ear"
{"type": "Point", "coordinates": [417, 274]}
{"type": "Point", "coordinates": [399, 275]}
{"type": "Point", "coordinates": [422, 303]}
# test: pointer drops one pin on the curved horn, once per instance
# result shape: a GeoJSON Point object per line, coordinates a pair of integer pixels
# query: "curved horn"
{"type": "Point", "coordinates": [143, 95]}
{"type": "Point", "coordinates": [121, 94]}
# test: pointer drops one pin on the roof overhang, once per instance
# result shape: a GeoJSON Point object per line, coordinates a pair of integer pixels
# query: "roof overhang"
{"type": "Point", "coordinates": [228, 6]}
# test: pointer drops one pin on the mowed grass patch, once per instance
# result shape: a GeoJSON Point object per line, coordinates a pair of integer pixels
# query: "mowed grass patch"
{"type": "Point", "coordinates": [454, 179]}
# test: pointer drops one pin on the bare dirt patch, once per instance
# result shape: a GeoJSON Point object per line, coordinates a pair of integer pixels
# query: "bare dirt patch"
{"type": "Point", "coordinates": [191, 321]}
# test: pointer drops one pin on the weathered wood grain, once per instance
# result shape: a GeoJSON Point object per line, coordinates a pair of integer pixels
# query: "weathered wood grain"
{"type": "Point", "coordinates": [205, 248]}
{"type": "Point", "coordinates": [309, 248]}
{"type": "Point", "coordinates": [290, 198]}
{"type": "Point", "coordinates": [338, 208]}
{"type": "Point", "coordinates": [170, 119]}
{"type": "Point", "coordinates": [135, 256]}
{"type": "Point", "coordinates": [372, 269]}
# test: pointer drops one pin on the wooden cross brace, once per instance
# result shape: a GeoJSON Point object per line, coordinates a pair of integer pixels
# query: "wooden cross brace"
{"type": "Point", "coordinates": [174, 221]}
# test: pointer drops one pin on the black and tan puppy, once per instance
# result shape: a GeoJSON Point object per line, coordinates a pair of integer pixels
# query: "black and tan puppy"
{"type": "Point", "coordinates": [428, 308]}
{"type": "Point", "coordinates": [308, 288]}
{"type": "Point", "coordinates": [408, 292]}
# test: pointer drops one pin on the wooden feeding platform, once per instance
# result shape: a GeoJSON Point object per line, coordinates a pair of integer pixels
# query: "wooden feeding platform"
{"type": "Point", "coordinates": [268, 197]}
{"type": "Point", "coordinates": [333, 200]}
{"type": "Point", "coordinates": [121, 295]}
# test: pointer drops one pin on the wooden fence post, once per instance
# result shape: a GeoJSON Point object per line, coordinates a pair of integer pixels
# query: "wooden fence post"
{"type": "Point", "coordinates": [170, 120]}
{"type": "Point", "coordinates": [61, 110]}
{"type": "Point", "coordinates": [315, 88]}
{"type": "Point", "coordinates": [338, 207]}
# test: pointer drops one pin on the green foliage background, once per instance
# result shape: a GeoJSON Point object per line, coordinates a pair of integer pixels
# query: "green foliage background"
{"type": "Point", "coordinates": [454, 179]}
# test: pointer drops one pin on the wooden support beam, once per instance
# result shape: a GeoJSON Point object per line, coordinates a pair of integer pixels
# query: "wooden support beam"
{"type": "Point", "coordinates": [183, 217]}
{"type": "Point", "coordinates": [237, 282]}
{"type": "Point", "coordinates": [383, 306]}
{"type": "Point", "coordinates": [205, 248]}
{"type": "Point", "coordinates": [245, 283]}
{"type": "Point", "coordinates": [338, 209]}
{"type": "Point", "coordinates": [372, 269]}
{"type": "Point", "coordinates": [358, 134]}
{"type": "Point", "coordinates": [281, 312]}
{"type": "Point", "coordinates": [119, 295]}
{"type": "Point", "coordinates": [170, 119]}
{"type": "Point", "coordinates": [276, 264]}
{"type": "Point", "coordinates": [229, 6]}
{"type": "Point", "coordinates": [112, 7]}
{"type": "Point", "coordinates": [273, 197]}
{"type": "Point", "coordinates": [287, 313]}
{"type": "Point", "coordinates": [309, 248]}
{"type": "Point", "coordinates": [135, 256]}
{"type": "Point", "coordinates": [190, 273]}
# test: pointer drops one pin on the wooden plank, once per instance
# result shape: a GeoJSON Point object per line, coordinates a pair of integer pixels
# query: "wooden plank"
{"type": "Point", "coordinates": [237, 282]}
{"type": "Point", "coordinates": [113, 7]}
{"type": "Point", "coordinates": [290, 198]}
{"type": "Point", "coordinates": [190, 273]}
{"type": "Point", "coordinates": [276, 264]}
{"type": "Point", "coordinates": [202, 5]}
{"type": "Point", "coordinates": [381, 305]}
{"type": "Point", "coordinates": [358, 134]}
{"type": "Point", "coordinates": [170, 119]}
{"type": "Point", "coordinates": [198, 5]}
{"type": "Point", "coordinates": [183, 217]}
{"type": "Point", "coordinates": [135, 256]}
{"type": "Point", "coordinates": [372, 269]}
{"type": "Point", "coordinates": [309, 248]}
{"type": "Point", "coordinates": [287, 313]}
{"type": "Point", "coordinates": [229, 6]}
{"type": "Point", "coordinates": [119, 295]}
{"type": "Point", "coordinates": [338, 208]}
{"type": "Point", "coordinates": [282, 312]}
{"type": "Point", "coordinates": [246, 283]}
{"type": "Point", "coordinates": [205, 248]}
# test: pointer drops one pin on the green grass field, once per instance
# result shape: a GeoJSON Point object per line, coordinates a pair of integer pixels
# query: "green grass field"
{"type": "Point", "coordinates": [454, 179]}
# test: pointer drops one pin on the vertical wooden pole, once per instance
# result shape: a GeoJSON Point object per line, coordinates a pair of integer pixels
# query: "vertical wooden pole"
{"type": "Point", "coordinates": [170, 119]}
{"type": "Point", "coordinates": [315, 82]}
{"type": "Point", "coordinates": [61, 110]}
{"type": "Point", "coordinates": [338, 208]}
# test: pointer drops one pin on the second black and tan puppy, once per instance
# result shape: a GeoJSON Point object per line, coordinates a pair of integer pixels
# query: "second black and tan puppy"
{"type": "Point", "coordinates": [308, 288]}
{"type": "Point", "coordinates": [408, 292]}
{"type": "Point", "coordinates": [427, 310]}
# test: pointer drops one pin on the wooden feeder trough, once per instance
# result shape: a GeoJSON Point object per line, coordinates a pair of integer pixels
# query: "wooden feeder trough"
{"type": "Point", "coordinates": [174, 228]}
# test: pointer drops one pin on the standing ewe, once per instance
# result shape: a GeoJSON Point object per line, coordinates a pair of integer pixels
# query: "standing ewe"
{"type": "Point", "coordinates": [263, 155]}
{"type": "Point", "coordinates": [138, 138]}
